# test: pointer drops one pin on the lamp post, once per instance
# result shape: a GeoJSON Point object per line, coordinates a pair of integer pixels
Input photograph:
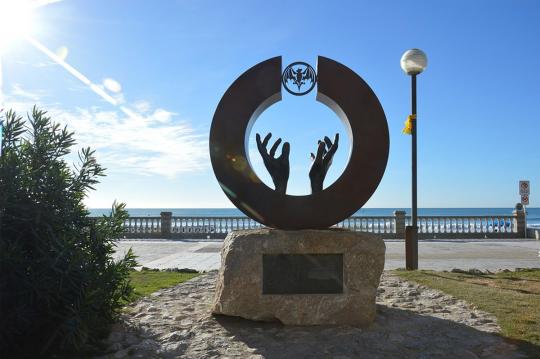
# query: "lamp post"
{"type": "Point", "coordinates": [413, 62]}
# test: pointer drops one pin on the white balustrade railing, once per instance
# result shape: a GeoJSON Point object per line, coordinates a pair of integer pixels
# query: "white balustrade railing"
{"type": "Point", "coordinates": [211, 225]}
{"type": "Point", "coordinates": [143, 225]}
{"type": "Point", "coordinates": [476, 225]}
{"type": "Point", "coordinates": [379, 225]}
{"type": "Point", "coordinates": [439, 227]}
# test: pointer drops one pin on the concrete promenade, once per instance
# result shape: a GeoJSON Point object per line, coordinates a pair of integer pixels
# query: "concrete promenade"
{"type": "Point", "coordinates": [438, 255]}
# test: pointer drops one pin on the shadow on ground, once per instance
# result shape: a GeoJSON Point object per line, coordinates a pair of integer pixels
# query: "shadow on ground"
{"type": "Point", "coordinates": [396, 333]}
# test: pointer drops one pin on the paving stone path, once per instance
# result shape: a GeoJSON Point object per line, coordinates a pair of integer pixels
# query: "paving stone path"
{"type": "Point", "coordinates": [412, 322]}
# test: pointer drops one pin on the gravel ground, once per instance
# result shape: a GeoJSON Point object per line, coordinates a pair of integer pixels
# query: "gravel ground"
{"type": "Point", "coordinates": [412, 322]}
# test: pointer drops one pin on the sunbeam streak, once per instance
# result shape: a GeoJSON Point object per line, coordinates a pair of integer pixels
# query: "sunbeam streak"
{"type": "Point", "coordinates": [17, 21]}
{"type": "Point", "coordinates": [85, 80]}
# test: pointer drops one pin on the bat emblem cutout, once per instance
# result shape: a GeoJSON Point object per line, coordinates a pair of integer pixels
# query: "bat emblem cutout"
{"type": "Point", "coordinates": [299, 78]}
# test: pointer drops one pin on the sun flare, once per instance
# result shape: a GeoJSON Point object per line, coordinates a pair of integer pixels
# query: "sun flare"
{"type": "Point", "coordinates": [16, 21]}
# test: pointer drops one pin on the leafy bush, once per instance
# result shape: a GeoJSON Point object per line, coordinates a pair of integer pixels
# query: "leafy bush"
{"type": "Point", "coordinates": [59, 285]}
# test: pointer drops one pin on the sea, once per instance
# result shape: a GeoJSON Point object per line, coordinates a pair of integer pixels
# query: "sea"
{"type": "Point", "coordinates": [533, 214]}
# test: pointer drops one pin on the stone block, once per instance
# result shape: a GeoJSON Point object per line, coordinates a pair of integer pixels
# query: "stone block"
{"type": "Point", "coordinates": [239, 289]}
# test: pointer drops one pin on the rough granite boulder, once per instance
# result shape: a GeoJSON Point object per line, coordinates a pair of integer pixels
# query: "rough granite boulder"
{"type": "Point", "coordinates": [239, 288]}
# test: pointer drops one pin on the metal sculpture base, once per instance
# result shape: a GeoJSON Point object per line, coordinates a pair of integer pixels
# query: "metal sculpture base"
{"type": "Point", "coordinates": [307, 277]}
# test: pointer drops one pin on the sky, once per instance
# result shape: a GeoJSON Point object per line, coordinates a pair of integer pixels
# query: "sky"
{"type": "Point", "coordinates": [139, 81]}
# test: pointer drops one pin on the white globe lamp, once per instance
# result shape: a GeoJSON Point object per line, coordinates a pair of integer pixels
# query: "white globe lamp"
{"type": "Point", "coordinates": [413, 61]}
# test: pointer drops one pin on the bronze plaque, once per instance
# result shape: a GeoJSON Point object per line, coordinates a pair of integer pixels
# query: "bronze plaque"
{"type": "Point", "coordinates": [302, 273]}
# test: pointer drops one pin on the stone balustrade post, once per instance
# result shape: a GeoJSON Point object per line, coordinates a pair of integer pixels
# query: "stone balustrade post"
{"type": "Point", "coordinates": [166, 219]}
{"type": "Point", "coordinates": [400, 224]}
{"type": "Point", "coordinates": [520, 220]}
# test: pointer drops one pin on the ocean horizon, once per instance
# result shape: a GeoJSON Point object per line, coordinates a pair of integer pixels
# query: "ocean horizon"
{"type": "Point", "coordinates": [533, 214]}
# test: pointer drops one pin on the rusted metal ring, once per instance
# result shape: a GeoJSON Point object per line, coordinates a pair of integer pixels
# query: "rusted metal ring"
{"type": "Point", "coordinates": [352, 100]}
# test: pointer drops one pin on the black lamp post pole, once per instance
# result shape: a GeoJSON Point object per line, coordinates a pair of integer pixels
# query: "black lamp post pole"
{"type": "Point", "coordinates": [414, 160]}
{"type": "Point", "coordinates": [411, 232]}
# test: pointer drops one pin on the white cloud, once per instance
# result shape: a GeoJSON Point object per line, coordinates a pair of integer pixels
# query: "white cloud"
{"type": "Point", "coordinates": [24, 95]}
{"type": "Point", "coordinates": [142, 106]}
{"type": "Point", "coordinates": [151, 144]}
{"type": "Point", "coordinates": [112, 85]}
{"type": "Point", "coordinates": [36, 64]}
{"type": "Point", "coordinates": [39, 3]}
{"type": "Point", "coordinates": [155, 142]}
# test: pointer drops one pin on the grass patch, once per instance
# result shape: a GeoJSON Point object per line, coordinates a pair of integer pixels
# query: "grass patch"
{"type": "Point", "coordinates": [146, 282]}
{"type": "Point", "coordinates": [513, 297]}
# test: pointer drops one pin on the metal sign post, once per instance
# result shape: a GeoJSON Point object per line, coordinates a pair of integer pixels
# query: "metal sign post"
{"type": "Point", "coordinates": [524, 192]}
{"type": "Point", "coordinates": [524, 188]}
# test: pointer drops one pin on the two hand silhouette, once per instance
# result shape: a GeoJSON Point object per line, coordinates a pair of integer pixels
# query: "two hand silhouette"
{"type": "Point", "coordinates": [279, 167]}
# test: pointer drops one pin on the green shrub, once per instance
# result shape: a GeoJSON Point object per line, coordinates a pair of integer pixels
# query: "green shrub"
{"type": "Point", "coordinates": [59, 285]}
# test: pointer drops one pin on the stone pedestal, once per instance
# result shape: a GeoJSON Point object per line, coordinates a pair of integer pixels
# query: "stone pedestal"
{"type": "Point", "coordinates": [307, 277]}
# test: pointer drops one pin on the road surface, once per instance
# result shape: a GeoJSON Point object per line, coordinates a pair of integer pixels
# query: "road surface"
{"type": "Point", "coordinates": [438, 255]}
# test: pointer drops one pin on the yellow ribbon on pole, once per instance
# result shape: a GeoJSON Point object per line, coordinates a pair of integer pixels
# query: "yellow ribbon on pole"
{"type": "Point", "coordinates": [408, 124]}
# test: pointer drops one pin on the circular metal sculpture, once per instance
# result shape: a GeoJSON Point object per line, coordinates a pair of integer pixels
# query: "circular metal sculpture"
{"type": "Point", "coordinates": [299, 74]}
{"type": "Point", "coordinates": [349, 97]}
